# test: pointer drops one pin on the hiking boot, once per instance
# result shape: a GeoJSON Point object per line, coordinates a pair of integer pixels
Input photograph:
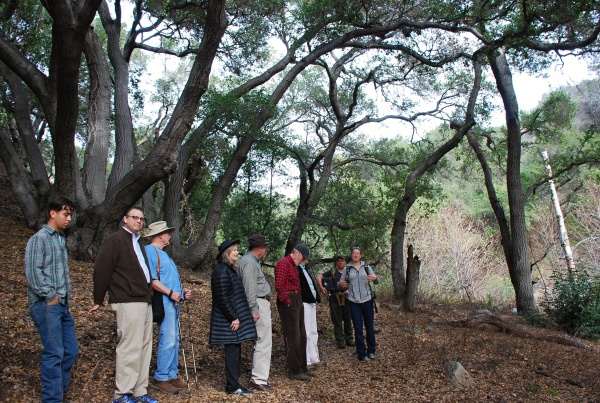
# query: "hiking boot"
{"type": "Point", "coordinates": [301, 377]}
{"type": "Point", "coordinates": [166, 387]}
{"type": "Point", "coordinates": [320, 364]}
{"type": "Point", "coordinates": [309, 374]}
{"type": "Point", "coordinates": [365, 359]}
{"type": "Point", "coordinates": [371, 356]}
{"type": "Point", "coordinates": [350, 343]}
{"type": "Point", "coordinates": [341, 345]}
{"type": "Point", "coordinates": [123, 399]}
{"type": "Point", "coordinates": [144, 399]}
{"type": "Point", "coordinates": [178, 383]}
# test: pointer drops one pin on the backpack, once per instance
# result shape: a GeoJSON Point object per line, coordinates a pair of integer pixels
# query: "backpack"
{"type": "Point", "coordinates": [373, 294]}
{"type": "Point", "coordinates": [329, 282]}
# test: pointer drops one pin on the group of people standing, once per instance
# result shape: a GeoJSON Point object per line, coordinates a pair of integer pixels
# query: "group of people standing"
{"type": "Point", "coordinates": [241, 307]}
{"type": "Point", "coordinates": [241, 310]}
{"type": "Point", "coordinates": [129, 273]}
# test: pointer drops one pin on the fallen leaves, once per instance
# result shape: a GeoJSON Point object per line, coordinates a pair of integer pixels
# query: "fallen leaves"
{"type": "Point", "coordinates": [410, 354]}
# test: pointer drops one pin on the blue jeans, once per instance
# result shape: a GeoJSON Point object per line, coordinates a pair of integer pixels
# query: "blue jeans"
{"type": "Point", "coordinates": [57, 332]}
{"type": "Point", "coordinates": [363, 312]}
{"type": "Point", "coordinates": [167, 355]}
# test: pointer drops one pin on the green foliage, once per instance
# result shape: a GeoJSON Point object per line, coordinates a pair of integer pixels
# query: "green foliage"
{"type": "Point", "coordinates": [353, 212]}
{"type": "Point", "coordinates": [574, 304]}
{"type": "Point", "coordinates": [255, 212]}
{"type": "Point", "coordinates": [27, 24]}
{"type": "Point", "coordinates": [551, 118]}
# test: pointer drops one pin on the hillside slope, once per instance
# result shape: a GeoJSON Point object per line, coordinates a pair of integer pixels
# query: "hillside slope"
{"type": "Point", "coordinates": [408, 367]}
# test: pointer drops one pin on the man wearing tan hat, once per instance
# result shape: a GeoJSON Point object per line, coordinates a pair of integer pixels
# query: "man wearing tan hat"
{"type": "Point", "coordinates": [258, 293]}
{"type": "Point", "coordinates": [165, 280]}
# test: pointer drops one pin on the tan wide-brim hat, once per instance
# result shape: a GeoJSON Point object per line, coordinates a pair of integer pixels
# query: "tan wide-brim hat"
{"type": "Point", "coordinates": [157, 228]}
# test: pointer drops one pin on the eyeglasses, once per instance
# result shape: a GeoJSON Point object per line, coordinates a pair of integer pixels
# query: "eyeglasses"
{"type": "Point", "coordinates": [135, 218]}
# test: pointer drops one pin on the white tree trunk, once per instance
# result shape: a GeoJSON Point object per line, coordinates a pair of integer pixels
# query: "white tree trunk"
{"type": "Point", "coordinates": [562, 229]}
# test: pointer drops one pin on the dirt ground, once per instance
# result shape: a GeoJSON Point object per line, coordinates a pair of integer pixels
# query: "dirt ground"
{"type": "Point", "coordinates": [412, 349]}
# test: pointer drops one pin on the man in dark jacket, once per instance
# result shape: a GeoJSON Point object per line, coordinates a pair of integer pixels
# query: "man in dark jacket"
{"type": "Point", "coordinates": [310, 297]}
{"type": "Point", "coordinates": [338, 304]}
{"type": "Point", "coordinates": [121, 269]}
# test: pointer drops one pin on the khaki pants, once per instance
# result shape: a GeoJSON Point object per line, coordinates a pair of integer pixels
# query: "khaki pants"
{"type": "Point", "coordinates": [261, 360]}
{"type": "Point", "coordinates": [134, 332]}
{"type": "Point", "coordinates": [312, 336]}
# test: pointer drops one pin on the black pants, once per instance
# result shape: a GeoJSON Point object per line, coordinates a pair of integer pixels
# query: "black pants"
{"type": "Point", "coordinates": [292, 325]}
{"type": "Point", "coordinates": [340, 316]}
{"type": "Point", "coordinates": [233, 359]}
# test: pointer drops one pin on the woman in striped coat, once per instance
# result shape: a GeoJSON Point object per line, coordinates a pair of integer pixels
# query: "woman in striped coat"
{"type": "Point", "coordinates": [231, 321]}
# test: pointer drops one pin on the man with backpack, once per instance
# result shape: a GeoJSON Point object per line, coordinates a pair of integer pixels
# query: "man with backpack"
{"type": "Point", "coordinates": [338, 304]}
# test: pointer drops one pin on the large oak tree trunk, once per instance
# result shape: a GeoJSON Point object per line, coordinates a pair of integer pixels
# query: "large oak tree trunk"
{"type": "Point", "coordinates": [124, 138]}
{"type": "Point", "coordinates": [162, 159]}
{"type": "Point", "coordinates": [19, 179]}
{"type": "Point", "coordinates": [98, 133]}
{"type": "Point", "coordinates": [70, 23]}
{"type": "Point", "coordinates": [37, 168]}
{"type": "Point", "coordinates": [518, 261]}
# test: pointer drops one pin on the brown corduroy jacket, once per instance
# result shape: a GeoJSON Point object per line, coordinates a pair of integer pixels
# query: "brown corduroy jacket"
{"type": "Point", "coordinates": [118, 271]}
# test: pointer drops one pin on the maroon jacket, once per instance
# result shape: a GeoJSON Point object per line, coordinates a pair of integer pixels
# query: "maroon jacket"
{"type": "Point", "coordinates": [118, 271]}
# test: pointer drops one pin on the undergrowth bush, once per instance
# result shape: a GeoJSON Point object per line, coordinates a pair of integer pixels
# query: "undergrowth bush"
{"type": "Point", "coordinates": [574, 303]}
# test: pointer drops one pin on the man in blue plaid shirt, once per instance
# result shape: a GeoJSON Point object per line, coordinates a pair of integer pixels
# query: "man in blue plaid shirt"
{"type": "Point", "coordinates": [49, 292]}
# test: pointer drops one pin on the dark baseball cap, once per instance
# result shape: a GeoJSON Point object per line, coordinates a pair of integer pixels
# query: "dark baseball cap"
{"type": "Point", "coordinates": [303, 249]}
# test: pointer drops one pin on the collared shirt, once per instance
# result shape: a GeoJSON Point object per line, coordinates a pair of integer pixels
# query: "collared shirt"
{"type": "Point", "coordinates": [169, 276]}
{"type": "Point", "coordinates": [358, 284]}
{"type": "Point", "coordinates": [47, 267]}
{"type": "Point", "coordinates": [286, 279]}
{"type": "Point", "coordinates": [135, 238]}
{"type": "Point", "coordinates": [254, 280]}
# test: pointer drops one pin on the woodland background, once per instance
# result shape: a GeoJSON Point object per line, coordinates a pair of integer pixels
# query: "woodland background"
{"type": "Point", "coordinates": [412, 348]}
{"type": "Point", "coordinates": [334, 123]}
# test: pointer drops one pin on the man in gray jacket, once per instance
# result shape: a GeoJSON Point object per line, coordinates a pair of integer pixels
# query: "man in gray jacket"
{"type": "Point", "coordinates": [258, 293]}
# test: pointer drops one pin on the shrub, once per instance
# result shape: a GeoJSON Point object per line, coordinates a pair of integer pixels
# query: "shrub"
{"type": "Point", "coordinates": [574, 303]}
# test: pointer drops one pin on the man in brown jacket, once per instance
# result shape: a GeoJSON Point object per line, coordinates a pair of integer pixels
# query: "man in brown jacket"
{"type": "Point", "coordinates": [121, 269]}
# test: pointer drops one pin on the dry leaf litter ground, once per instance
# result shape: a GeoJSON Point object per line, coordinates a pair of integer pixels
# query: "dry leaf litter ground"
{"type": "Point", "coordinates": [411, 351]}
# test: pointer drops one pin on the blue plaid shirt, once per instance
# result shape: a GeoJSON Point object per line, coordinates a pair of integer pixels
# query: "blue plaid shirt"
{"type": "Point", "coordinates": [47, 267]}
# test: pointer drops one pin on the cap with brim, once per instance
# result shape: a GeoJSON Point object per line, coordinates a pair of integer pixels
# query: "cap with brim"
{"type": "Point", "coordinates": [303, 249]}
{"type": "Point", "coordinates": [226, 244]}
{"type": "Point", "coordinates": [340, 257]}
{"type": "Point", "coordinates": [256, 240]}
{"type": "Point", "coordinates": [158, 228]}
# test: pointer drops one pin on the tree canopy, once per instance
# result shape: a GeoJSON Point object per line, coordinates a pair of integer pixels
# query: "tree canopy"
{"type": "Point", "coordinates": [262, 86]}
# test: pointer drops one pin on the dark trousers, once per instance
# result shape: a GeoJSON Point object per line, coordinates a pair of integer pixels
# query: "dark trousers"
{"type": "Point", "coordinates": [363, 313]}
{"type": "Point", "coordinates": [233, 359]}
{"type": "Point", "coordinates": [340, 317]}
{"type": "Point", "coordinates": [292, 325]}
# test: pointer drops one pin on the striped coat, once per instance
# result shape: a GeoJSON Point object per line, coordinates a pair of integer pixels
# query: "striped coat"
{"type": "Point", "coordinates": [229, 303]}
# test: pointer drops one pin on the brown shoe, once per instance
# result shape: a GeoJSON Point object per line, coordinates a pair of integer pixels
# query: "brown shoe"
{"type": "Point", "coordinates": [261, 387]}
{"type": "Point", "coordinates": [178, 383]}
{"type": "Point", "coordinates": [166, 387]}
{"type": "Point", "coordinates": [301, 377]}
